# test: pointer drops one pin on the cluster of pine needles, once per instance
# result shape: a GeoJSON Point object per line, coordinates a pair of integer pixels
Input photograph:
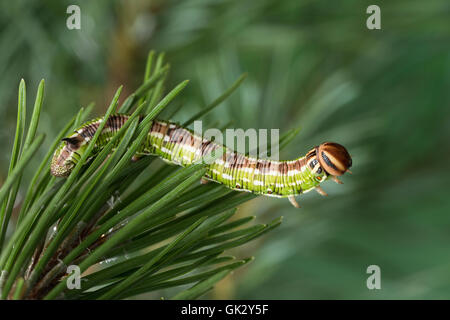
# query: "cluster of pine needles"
{"type": "Point", "coordinates": [137, 226]}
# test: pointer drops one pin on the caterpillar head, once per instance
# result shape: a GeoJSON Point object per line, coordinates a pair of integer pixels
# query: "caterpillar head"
{"type": "Point", "coordinates": [333, 158]}
{"type": "Point", "coordinates": [65, 156]}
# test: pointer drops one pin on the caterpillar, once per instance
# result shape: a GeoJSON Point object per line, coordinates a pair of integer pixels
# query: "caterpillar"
{"type": "Point", "coordinates": [181, 146]}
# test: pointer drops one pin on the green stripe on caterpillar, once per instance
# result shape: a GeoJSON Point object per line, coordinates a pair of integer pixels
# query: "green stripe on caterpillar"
{"type": "Point", "coordinates": [181, 146]}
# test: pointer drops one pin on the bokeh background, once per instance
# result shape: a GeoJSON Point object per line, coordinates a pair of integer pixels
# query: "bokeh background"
{"type": "Point", "coordinates": [384, 94]}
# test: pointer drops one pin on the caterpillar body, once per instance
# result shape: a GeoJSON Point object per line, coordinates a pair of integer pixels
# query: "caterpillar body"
{"type": "Point", "coordinates": [181, 146]}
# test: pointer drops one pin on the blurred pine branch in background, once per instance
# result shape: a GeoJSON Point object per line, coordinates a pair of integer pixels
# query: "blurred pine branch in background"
{"type": "Point", "coordinates": [311, 64]}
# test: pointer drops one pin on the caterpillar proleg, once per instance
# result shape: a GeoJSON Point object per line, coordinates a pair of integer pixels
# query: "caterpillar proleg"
{"type": "Point", "coordinates": [181, 146]}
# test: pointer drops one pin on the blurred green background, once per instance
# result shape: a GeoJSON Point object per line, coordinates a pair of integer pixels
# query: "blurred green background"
{"type": "Point", "coordinates": [384, 94]}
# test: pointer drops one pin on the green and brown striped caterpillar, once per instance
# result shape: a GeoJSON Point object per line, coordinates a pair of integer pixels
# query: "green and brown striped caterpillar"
{"type": "Point", "coordinates": [181, 146]}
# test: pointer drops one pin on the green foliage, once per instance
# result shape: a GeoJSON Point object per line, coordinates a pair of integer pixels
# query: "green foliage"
{"type": "Point", "coordinates": [161, 230]}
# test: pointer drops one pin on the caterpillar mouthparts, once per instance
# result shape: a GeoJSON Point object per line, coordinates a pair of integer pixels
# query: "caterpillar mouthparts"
{"type": "Point", "coordinates": [181, 146]}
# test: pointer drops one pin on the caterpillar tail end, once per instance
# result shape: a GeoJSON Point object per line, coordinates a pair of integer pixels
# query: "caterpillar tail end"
{"type": "Point", "coordinates": [293, 201]}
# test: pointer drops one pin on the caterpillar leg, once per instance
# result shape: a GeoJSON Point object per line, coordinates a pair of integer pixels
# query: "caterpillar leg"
{"type": "Point", "coordinates": [321, 191]}
{"type": "Point", "coordinates": [293, 201]}
{"type": "Point", "coordinates": [335, 179]}
{"type": "Point", "coordinates": [136, 158]}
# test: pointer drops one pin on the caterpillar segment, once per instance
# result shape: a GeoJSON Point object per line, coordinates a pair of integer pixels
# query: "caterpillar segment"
{"type": "Point", "coordinates": [177, 145]}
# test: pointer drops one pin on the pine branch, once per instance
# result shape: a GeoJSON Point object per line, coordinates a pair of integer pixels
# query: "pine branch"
{"type": "Point", "coordinates": [151, 231]}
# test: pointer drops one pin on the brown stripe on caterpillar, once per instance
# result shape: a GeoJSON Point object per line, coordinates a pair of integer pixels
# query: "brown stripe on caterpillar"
{"type": "Point", "coordinates": [234, 163]}
{"type": "Point", "coordinates": [228, 162]}
{"type": "Point", "coordinates": [292, 165]}
{"type": "Point", "coordinates": [256, 173]}
{"type": "Point", "coordinates": [177, 136]}
{"type": "Point", "coordinates": [181, 137]}
{"type": "Point", "coordinates": [242, 164]}
{"type": "Point", "coordinates": [205, 147]}
{"type": "Point", "coordinates": [237, 170]}
{"type": "Point", "coordinates": [185, 140]}
{"type": "Point", "coordinates": [168, 137]}
{"type": "Point", "coordinates": [197, 144]}
{"type": "Point", "coordinates": [115, 122]}
{"type": "Point", "coordinates": [260, 167]}
{"type": "Point", "coordinates": [299, 164]}
{"type": "Point", "coordinates": [164, 131]}
{"type": "Point", "coordinates": [232, 166]}
{"type": "Point", "coordinates": [155, 127]}
{"type": "Point", "coordinates": [111, 124]}
{"type": "Point", "coordinates": [164, 127]}
{"type": "Point", "coordinates": [266, 170]}
{"type": "Point", "coordinates": [269, 174]}
{"type": "Point", "coordinates": [88, 131]}
{"type": "Point", "coordinates": [281, 169]}
{"type": "Point", "coordinates": [123, 119]}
